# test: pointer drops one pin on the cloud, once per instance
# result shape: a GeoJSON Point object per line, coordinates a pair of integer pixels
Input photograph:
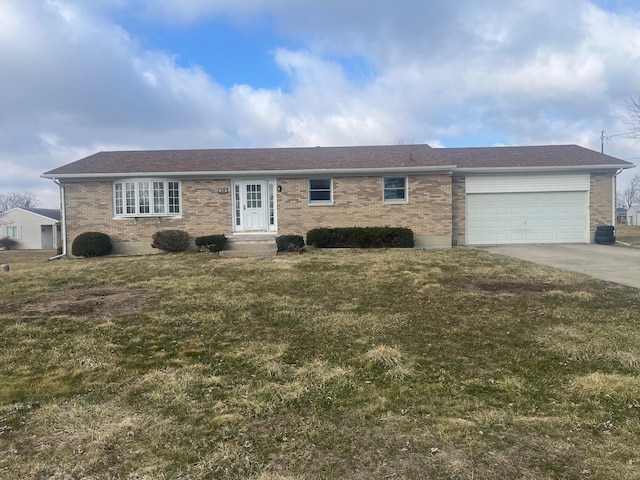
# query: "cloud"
{"type": "Point", "coordinates": [360, 72]}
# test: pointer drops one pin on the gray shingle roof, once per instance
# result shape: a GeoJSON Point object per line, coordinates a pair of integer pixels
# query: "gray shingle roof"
{"type": "Point", "coordinates": [330, 158]}
{"type": "Point", "coordinates": [45, 212]}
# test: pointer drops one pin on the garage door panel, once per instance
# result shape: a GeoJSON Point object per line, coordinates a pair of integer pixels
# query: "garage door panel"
{"type": "Point", "coordinates": [538, 217]}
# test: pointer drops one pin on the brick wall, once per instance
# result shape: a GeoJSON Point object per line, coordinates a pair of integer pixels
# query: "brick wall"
{"type": "Point", "coordinates": [458, 211]}
{"type": "Point", "coordinates": [600, 200]}
{"type": "Point", "coordinates": [357, 202]}
{"type": "Point", "coordinates": [89, 207]}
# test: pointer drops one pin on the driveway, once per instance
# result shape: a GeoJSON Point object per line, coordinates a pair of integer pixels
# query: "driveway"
{"type": "Point", "coordinates": [606, 262]}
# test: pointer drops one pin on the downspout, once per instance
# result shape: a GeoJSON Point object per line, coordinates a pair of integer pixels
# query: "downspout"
{"type": "Point", "coordinates": [63, 217]}
{"type": "Point", "coordinates": [615, 195]}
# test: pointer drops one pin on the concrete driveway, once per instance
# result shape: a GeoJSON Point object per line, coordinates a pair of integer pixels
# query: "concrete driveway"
{"type": "Point", "coordinates": [606, 262]}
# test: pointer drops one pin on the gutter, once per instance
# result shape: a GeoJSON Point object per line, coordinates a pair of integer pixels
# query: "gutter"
{"type": "Point", "coordinates": [259, 173]}
{"type": "Point", "coordinates": [63, 217]}
{"type": "Point", "coordinates": [548, 168]}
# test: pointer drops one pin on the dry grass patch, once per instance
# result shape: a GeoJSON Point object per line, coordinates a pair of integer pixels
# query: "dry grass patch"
{"type": "Point", "coordinates": [352, 364]}
{"type": "Point", "coordinates": [395, 364]}
{"type": "Point", "coordinates": [616, 387]}
{"type": "Point", "coordinates": [593, 341]}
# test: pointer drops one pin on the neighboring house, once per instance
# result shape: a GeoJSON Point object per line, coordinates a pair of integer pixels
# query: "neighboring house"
{"type": "Point", "coordinates": [633, 215]}
{"type": "Point", "coordinates": [621, 216]}
{"type": "Point", "coordinates": [32, 228]}
{"type": "Point", "coordinates": [447, 196]}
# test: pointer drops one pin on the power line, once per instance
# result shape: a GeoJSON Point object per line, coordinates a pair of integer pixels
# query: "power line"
{"type": "Point", "coordinates": [604, 136]}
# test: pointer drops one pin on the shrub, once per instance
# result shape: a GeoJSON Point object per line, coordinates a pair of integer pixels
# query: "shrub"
{"type": "Point", "coordinates": [8, 243]}
{"type": "Point", "coordinates": [320, 237]}
{"type": "Point", "coordinates": [212, 243]}
{"type": "Point", "coordinates": [91, 244]}
{"type": "Point", "coordinates": [171, 240]}
{"type": "Point", "coordinates": [361, 237]}
{"type": "Point", "coordinates": [290, 243]}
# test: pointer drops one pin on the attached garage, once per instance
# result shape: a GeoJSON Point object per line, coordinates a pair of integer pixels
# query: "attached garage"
{"type": "Point", "coordinates": [506, 209]}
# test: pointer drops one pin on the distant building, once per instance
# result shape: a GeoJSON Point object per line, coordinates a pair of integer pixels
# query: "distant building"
{"type": "Point", "coordinates": [32, 228]}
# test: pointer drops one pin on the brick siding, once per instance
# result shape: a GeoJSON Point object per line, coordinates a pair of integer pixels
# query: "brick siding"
{"type": "Point", "coordinates": [357, 202]}
{"type": "Point", "coordinates": [600, 200]}
{"type": "Point", "coordinates": [89, 207]}
{"type": "Point", "coordinates": [458, 189]}
{"type": "Point", "coordinates": [436, 208]}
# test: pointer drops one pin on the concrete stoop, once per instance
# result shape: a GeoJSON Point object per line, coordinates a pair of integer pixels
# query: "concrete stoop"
{"type": "Point", "coordinates": [250, 246]}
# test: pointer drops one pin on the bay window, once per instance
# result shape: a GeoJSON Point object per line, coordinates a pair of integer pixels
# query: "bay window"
{"type": "Point", "coordinates": [150, 198]}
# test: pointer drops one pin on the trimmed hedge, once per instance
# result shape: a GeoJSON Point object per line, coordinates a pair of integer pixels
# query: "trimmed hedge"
{"type": "Point", "coordinates": [91, 244]}
{"type": "Point", "coordinates": [290, 243]}
{"type": "Point", "coordinates": [361, 237]}
{"type": "Point", "coordinates": [171, 240]}
{"type": "Point", "coordinates": [212, 243]}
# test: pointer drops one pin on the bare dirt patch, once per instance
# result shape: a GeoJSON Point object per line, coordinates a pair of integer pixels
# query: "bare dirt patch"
{"type": "Point", "coordinates": [90, 302]}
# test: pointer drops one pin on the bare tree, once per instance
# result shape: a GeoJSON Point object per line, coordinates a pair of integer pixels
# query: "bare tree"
{"type": "Point", "coordinates": [18, 199]}
{"type": "Point", "coordinates": [630, 195]}
{"type": "Point", "coordinates": [406, 140]}
{"type": "Point", "coordinates": [633, 116]}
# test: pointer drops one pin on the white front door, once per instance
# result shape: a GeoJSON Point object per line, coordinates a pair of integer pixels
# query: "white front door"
{"type": "Point", "coordinates": [254, 205]}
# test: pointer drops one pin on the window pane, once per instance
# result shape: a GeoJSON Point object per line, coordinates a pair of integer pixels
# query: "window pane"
{"type": "Point", "coordinates": [320, 196]}
{"type": "Point", "coordinates": [320, 184]}
{"type": "Point", "coordinates": [158, 197]}
{"type": "Point", "coordinates": [237, 201]}
{"type": "Point", "coordinates": [395, 188]}
{"type": "Point", "coordinates": [394, 182]}
{"type": "Point", "coordinates": [119, 199]}
{"type": "Point", "coordinates": [320, 190]}
{"type": "Point", "coordinates": [394, 194]}
{"type": "Point", "coordinates": [272, 218]}
{"type": "Point", "coordinates": [143, 197]}
{"type": "Point", "coordinates": [174, 197]}
{"type": "Point", "coordinates": [130, 195]}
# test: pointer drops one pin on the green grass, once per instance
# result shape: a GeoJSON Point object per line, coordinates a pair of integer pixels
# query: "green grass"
{"type": "Point", "coordinates": [453, 364]}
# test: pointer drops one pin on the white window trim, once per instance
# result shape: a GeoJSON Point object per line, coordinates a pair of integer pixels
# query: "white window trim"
{"type": "Point", "coordinates": [397, 201]}
{"type": "Point", "coordinates": [315, 203]}
{"type": "Point", "coordinates": [151, 214]}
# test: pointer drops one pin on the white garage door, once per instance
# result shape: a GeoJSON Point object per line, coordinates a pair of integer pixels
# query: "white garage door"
{"type": "Point", "coordinates": [527, 208]}
{"type": "Point", "coordinates": [539, 217]}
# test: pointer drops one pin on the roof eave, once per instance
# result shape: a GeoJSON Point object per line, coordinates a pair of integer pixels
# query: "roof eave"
{"type": "Point", "coordinates": [443, 169]}
{"type": "Point", "coordinates": [537, 169]}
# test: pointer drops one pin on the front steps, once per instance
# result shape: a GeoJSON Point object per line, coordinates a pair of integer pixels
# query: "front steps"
{"type": "Point", "coordinates": [250, 246]}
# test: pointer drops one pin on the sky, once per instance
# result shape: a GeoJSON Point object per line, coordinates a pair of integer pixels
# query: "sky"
{"type": "Point", "coordinates": [82, 76]}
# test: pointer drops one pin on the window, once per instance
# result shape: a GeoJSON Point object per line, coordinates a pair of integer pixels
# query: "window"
{"type": "Point", "coordinates": [153, 198]}
{"type": "Point", "coordinates": [11, 232]}
{"type": "Point", "coordinates": [321, 190]}
{"type": "Point", "coordinates": [394, 190]}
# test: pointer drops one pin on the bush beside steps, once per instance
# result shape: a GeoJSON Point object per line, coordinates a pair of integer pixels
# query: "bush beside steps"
{"type": "Point", "coordinates": [211, 243]}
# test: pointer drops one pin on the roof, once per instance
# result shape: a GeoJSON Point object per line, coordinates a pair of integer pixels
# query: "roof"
{"type": "Point", "coordinates": [305, 159]}
{"type": "Point", "coordinates": [50, 213]}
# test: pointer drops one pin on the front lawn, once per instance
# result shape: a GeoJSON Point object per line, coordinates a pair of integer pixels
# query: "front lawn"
{"type": "Point", "coordinates": [452, 364]}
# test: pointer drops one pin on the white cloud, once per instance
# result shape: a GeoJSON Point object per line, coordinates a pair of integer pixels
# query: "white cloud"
{"type": "Point", "coordinates": [444, 72]}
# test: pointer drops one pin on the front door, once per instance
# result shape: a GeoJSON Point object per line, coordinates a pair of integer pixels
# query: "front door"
{"type": "Point", "coordinates": [254, 205]}
{"type": "Point", "coordinates": [253, 208]}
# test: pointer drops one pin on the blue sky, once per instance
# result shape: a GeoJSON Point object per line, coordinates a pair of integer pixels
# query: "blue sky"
{"type": "Point", "coordinates": [79, 76]}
